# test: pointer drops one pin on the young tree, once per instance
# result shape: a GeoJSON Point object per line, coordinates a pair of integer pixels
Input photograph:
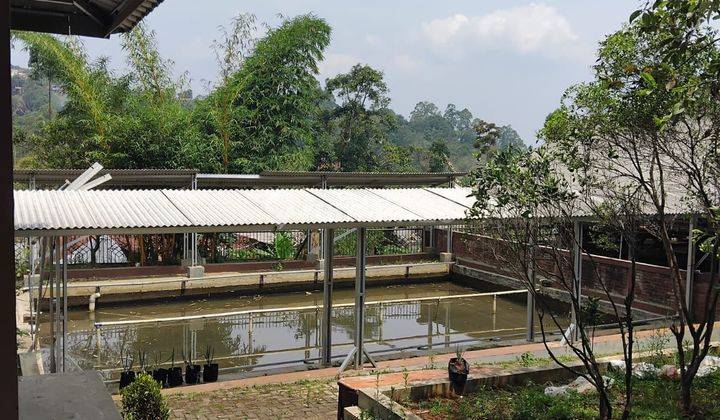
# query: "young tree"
{"type": "Point", "coordinates": [43, 66]}
{"type": "Point", "coordinates": [274, 113]}
{"type": "Point", "coordinates": [647, 123]}
{"type": "Point", "coordinates": [231, 51]}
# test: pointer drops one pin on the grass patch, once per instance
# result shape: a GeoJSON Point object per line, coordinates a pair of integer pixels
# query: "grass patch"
{"type": "Point", "coordinates": [654, 399]}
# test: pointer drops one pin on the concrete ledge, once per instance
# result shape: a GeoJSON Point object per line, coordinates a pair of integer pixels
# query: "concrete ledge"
{"type": "Point", "coordinates": [352, 413]}
{"type": "Point", "coordinates": [195, 271]}
{"type": "Point", "coordinates": [446, 257]}
{"type": "Point", "coordinates": [254, 282]}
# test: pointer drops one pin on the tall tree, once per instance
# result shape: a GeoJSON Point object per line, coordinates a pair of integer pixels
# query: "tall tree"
{"type": "Point", "coordinates": [231, 51]}
{"type": "Point", "coordinates": [362, 116]}
{"type": "Point", "coordinates": [276, 106]}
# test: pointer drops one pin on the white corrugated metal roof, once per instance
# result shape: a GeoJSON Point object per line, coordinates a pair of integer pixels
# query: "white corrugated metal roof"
{"type": "Point", "coordinates": [365, 206]}
{"type": "Point", "coordinates": [218, 208]}
{"type": "Point", "coordinates": [423, 203]}
{"type": "Point", "coordinates": [148, 211]}
{"type": "Point", "coordinates": [294, 206]}
{"type": "Point", "coordinates": [103, 209]}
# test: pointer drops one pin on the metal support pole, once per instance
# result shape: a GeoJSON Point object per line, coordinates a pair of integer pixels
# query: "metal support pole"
{"type": "Point", "coordinates": [41, 275]}
{"type": "Point", "coordinates": [64, 301]}
{"type": "Point", "coordinates": [690, 274]}
{"type": "Point", "coordinates": [449, 240]}
{"type": "Point", "coordinates": [360, 297]}
{"type": "Point", "coordinates": [429, 328]}
{"type": "Point", "coordinates": [358, 353]}
{"type": "Point", "coordinates": [447, 326]}
{"type": "Point", "coordinates": [250, 333]}
{"type": "Point", "coordinates": [530, 334]}
{"type": "Point", "coordinates": [53, 306]}
{"type": "Point", "coordinates": [194, 234]}
{"type": "Point", "coordinates": [327, 242]}
{"type": "Point", "coordinates": [577, 274]}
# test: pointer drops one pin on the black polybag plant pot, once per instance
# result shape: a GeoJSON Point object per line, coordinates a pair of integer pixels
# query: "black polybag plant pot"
{"type": "Point", "coordinates": [458, 374]}
{"type": "Point", "coordinates": [175, 376]}
{"type": "Point", "coordinates": [126, 378]}
{"type": "Point", "coordinates": [192, 374]}
{"type": "Point", "coordinates": [210, 372]}
{"type": "Point", "coordinates": [161, 376]}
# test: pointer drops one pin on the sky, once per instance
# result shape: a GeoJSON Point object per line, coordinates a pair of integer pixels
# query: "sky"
{"type": "Point", "coordinates": [507, 61]}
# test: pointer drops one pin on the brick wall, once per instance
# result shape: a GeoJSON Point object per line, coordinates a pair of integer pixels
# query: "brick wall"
{"type": "Point", "coordinates": [653, 288]}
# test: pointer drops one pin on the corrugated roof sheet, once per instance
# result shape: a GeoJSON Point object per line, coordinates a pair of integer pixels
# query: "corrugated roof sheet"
{"type": "Point", "coordinates": [75, 210]}
{"type": "Point", "coordinates": [294, 206]}
{"type": "Point", "coordinates": [208, 208]}
{"type": "Point", "coordinates": [365, 206]}
{"type": "Point", "coordinates": [144, 211]}
{"type": "Point", "coordinates": [424, 203]}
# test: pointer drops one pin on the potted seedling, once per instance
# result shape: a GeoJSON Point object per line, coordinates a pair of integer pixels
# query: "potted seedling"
{"type": "Point", "coordinates": [142, 362]}
{"type": "Point", "coordinates": [127, 376]}
{"type": "Point", "coordinates": [210, 370]}
{"type": "Point", "coordinates": [175, 374]}
{"type": "Point", "coordinates": [159, 374]}
{"type": "Point", "coordinates": [192, 371]}
{"type": "Point", "coordinates": [458, 369]}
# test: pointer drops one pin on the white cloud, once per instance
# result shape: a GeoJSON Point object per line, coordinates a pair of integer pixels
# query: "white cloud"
{"type": "Point", "coordinates": [533, 28]}
{"type": "Point", "coordinates": [405, 63]}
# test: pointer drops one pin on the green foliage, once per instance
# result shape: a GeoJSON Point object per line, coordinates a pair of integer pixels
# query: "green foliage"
{"type": "Point", "coordinates": [275, 99]}
{"type": "Point", "coordinates": [653, 399]}
{"type": "Point", "coordinates": [142, 400]}
{"type": "Point", "coordinates": [283, 247]}
{"type": "Point", "coordinates": [438, 157]}
{"type": "Point", "coordinates": [527, 359]}
{"type": "Point", "coordinates": [266, 112]}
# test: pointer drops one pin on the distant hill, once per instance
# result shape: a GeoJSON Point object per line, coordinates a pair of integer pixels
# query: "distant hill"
{"type": "Point", "coordinates": [30, 98]}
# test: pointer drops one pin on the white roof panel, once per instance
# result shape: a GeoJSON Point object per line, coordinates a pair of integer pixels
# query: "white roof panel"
{"type": "Point", "coordinates": [102, 209]}
{"type": "Point", "coordinates": [365, 206]}
{"type": "Point", "coordinates": [460, 195]}
{"type": "Point", "coordinates": [295, 206]}
{"type": "Point", "coordinates": [423, 203]}
{"type": "Point", "coordinates": [206, 208]}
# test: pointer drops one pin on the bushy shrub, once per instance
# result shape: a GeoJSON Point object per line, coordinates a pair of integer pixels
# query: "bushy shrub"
{"type": "Point", "coordinates": [142, 400]}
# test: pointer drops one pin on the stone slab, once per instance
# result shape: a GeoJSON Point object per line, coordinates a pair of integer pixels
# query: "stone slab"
{"type": "Point", "coordinates": [77, 395]}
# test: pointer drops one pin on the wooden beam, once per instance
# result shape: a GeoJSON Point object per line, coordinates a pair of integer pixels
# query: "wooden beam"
{"type": "Point", "coordinates": [93, 12]}
{"type": "Point", "coordinates": [8, 350]}
{"type": "Point", "coordinates": [55, 23]}
{"type": "Point", "coordinates": [123, 13]}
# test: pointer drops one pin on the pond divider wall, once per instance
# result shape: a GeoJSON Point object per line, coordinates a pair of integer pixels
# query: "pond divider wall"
{"type": "Point", "coordinates": [126, 290]}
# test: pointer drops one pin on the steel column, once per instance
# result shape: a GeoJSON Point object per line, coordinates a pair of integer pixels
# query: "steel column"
{"type": "Point", "coordinates": [690, 274]}
{"type": "Point", "coordinates": [449, 240]}
{"type": "Point", "coordinates": [530, 322]}
{"type": "Point", "coordinates": [360, 297]}
{"type": "Point", "coordinates": [327, 242]}
{"type": "Point", "coordinates": [64, 301]}
{"type": "Point", "coordinates": [577, 274]}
